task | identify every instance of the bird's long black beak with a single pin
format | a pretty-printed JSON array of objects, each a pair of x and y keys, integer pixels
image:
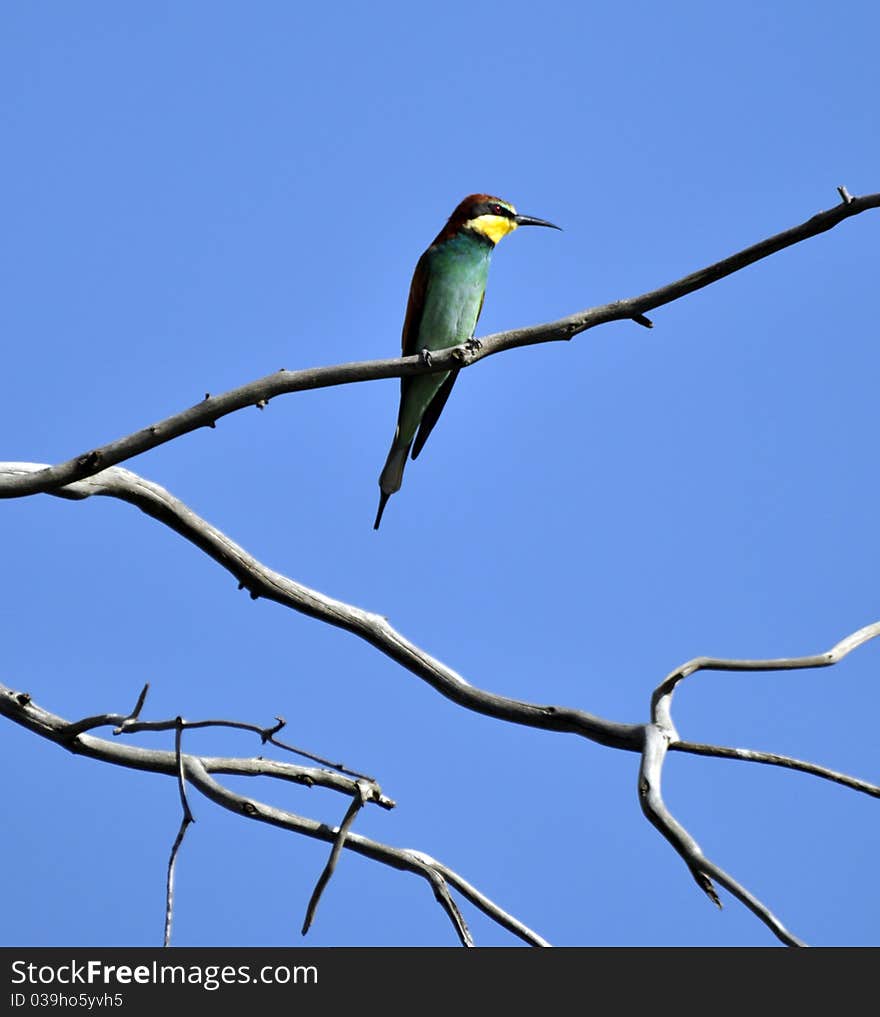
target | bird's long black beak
[{"x": 530, "y": 220}]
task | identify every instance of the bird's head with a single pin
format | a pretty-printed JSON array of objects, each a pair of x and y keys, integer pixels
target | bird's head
[{"x": 489, "y": 217}]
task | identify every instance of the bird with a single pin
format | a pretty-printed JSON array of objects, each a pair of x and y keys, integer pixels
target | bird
[{"x": 445, "y": 300}]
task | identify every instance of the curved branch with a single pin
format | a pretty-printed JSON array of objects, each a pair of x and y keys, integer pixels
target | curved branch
[
  {"x": 267, "y": 736},
  {"x": 702, "y": 869},
  {"x": 653, "y": 740},
  {"x": 661, "y": 700},
  {"x": 19, "y": 707},
  {"x": 264, "y": 582},
  {"x": 661, "y": 736},
  {"x": 444, "y": 899},
  {"x": 258, "y": 393},
  {"x": 186, "y": 820},
  {"x": 398, "y": 858},
  {"x": 197, "y": 770},
  {"x": 357, "y": 803},
  {"x": 774, "y": 759}
]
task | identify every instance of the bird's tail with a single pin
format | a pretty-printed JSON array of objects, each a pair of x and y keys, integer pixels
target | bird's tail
[{"x": 391, "y": 477}]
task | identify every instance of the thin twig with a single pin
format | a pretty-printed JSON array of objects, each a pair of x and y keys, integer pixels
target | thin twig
[
  {"x": 488, "y": 907},
  {"x": 272, "y": 740},
  {"x": 662, "y": 698},
  {"x": 702, "y": 869},
  {"x": 444, "y": 899},
  {"x": 206, "y": 412},
  {"x": 20, "y": 708},
  {"x": 407, "y": 860},
  {"x": 127, "y": 725},
  {"x": 67, "y": 733},
  {"x": 181, "y": 778},
  {"x": 357, "y": 803},
  {"x": 102, "y": 719},
  {"x": 139, "y": 705},
  {"x": 774, "y": 759},
  {"x": 169, "y": 885},
  {"x": 181, "y": 833},
  {"x": 267, "y": 736}
]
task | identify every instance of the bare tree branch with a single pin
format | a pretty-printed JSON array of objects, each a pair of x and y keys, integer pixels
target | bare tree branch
[
  {"x": 197, "y": 770},
  {"x": 702, "y": 869},
  {"x": 444, "y": 899},
  {"x": 774, "y": 759},
  {"x": 267, "y": 735},
  {"x": 185, "y": 822},
  {"x": 408, "y": 860},
  {"x": 357, "y": 803},
  {"x": 651, "y": 740},
  {"x": 307, "y": 776},
  {"x": 169, "y": 882},
  {"x": 661, "y": 700},
  {"x": 257, "y": 393},
  {"x": 94, "y": 473},
  {"x": 139, "y": 705},
  {"x": 263, "y": 582},
  {"x": 660, "y": 736},
  {"x": 181, "y": 783}
]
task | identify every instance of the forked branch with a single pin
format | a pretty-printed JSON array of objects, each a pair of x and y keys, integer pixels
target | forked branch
[
  {"x": 95, "y": 473},
  {"x": 198, "y": 771},
  {"x": 661, "y": 736},
  {"x": 652, "y": 740}
]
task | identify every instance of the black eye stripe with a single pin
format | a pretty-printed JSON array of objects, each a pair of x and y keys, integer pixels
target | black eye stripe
[{"x": 493, "y": 208}]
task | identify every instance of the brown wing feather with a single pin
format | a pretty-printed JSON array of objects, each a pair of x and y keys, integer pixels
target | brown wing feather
[
  {"x": 414, "y": 306},
  {"x": 412, "y": 321}
]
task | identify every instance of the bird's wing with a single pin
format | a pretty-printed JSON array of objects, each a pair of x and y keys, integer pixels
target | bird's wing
[
  {"x": 412, "y": 322},
  {"x": 435, "y": 407},
  {"x": 432, "y": 413},
  {"x": 418, "y": 291}
]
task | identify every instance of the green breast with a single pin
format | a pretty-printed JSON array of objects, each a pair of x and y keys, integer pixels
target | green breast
[
  {"x": 457, "y": 277},
  {"x": 454, "y": 290}
]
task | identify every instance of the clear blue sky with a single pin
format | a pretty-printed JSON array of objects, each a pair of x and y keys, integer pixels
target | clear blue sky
[{"x": 195, "y": 195}]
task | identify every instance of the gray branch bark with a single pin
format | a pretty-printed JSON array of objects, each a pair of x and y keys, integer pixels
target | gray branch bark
[
  {"x": 264, "y": 582},
  {"x": 652, "y": 740},
  {"x": 259, "y": 392},
  {"x": 198, "y": 771},
  {"x": 95, "y": 473}
]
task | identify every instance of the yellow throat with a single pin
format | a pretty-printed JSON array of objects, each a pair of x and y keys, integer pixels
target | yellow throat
[{"x": 494, "y": 227}]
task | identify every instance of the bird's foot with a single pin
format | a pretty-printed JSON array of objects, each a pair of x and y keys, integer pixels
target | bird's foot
[
  {"x": 466, "y": 352},
  {"x": 426, "y": 358}
]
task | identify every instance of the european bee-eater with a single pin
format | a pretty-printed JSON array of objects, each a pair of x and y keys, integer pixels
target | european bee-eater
[{"x": 445, "y": 300}]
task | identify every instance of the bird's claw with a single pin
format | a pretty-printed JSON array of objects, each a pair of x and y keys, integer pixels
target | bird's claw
[
  {"x": 467, "y": 350},
  {"x": 426, "y": 357}
]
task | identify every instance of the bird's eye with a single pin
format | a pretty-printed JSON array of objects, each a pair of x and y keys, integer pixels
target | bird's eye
[{"x": 498, "y": 210}]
